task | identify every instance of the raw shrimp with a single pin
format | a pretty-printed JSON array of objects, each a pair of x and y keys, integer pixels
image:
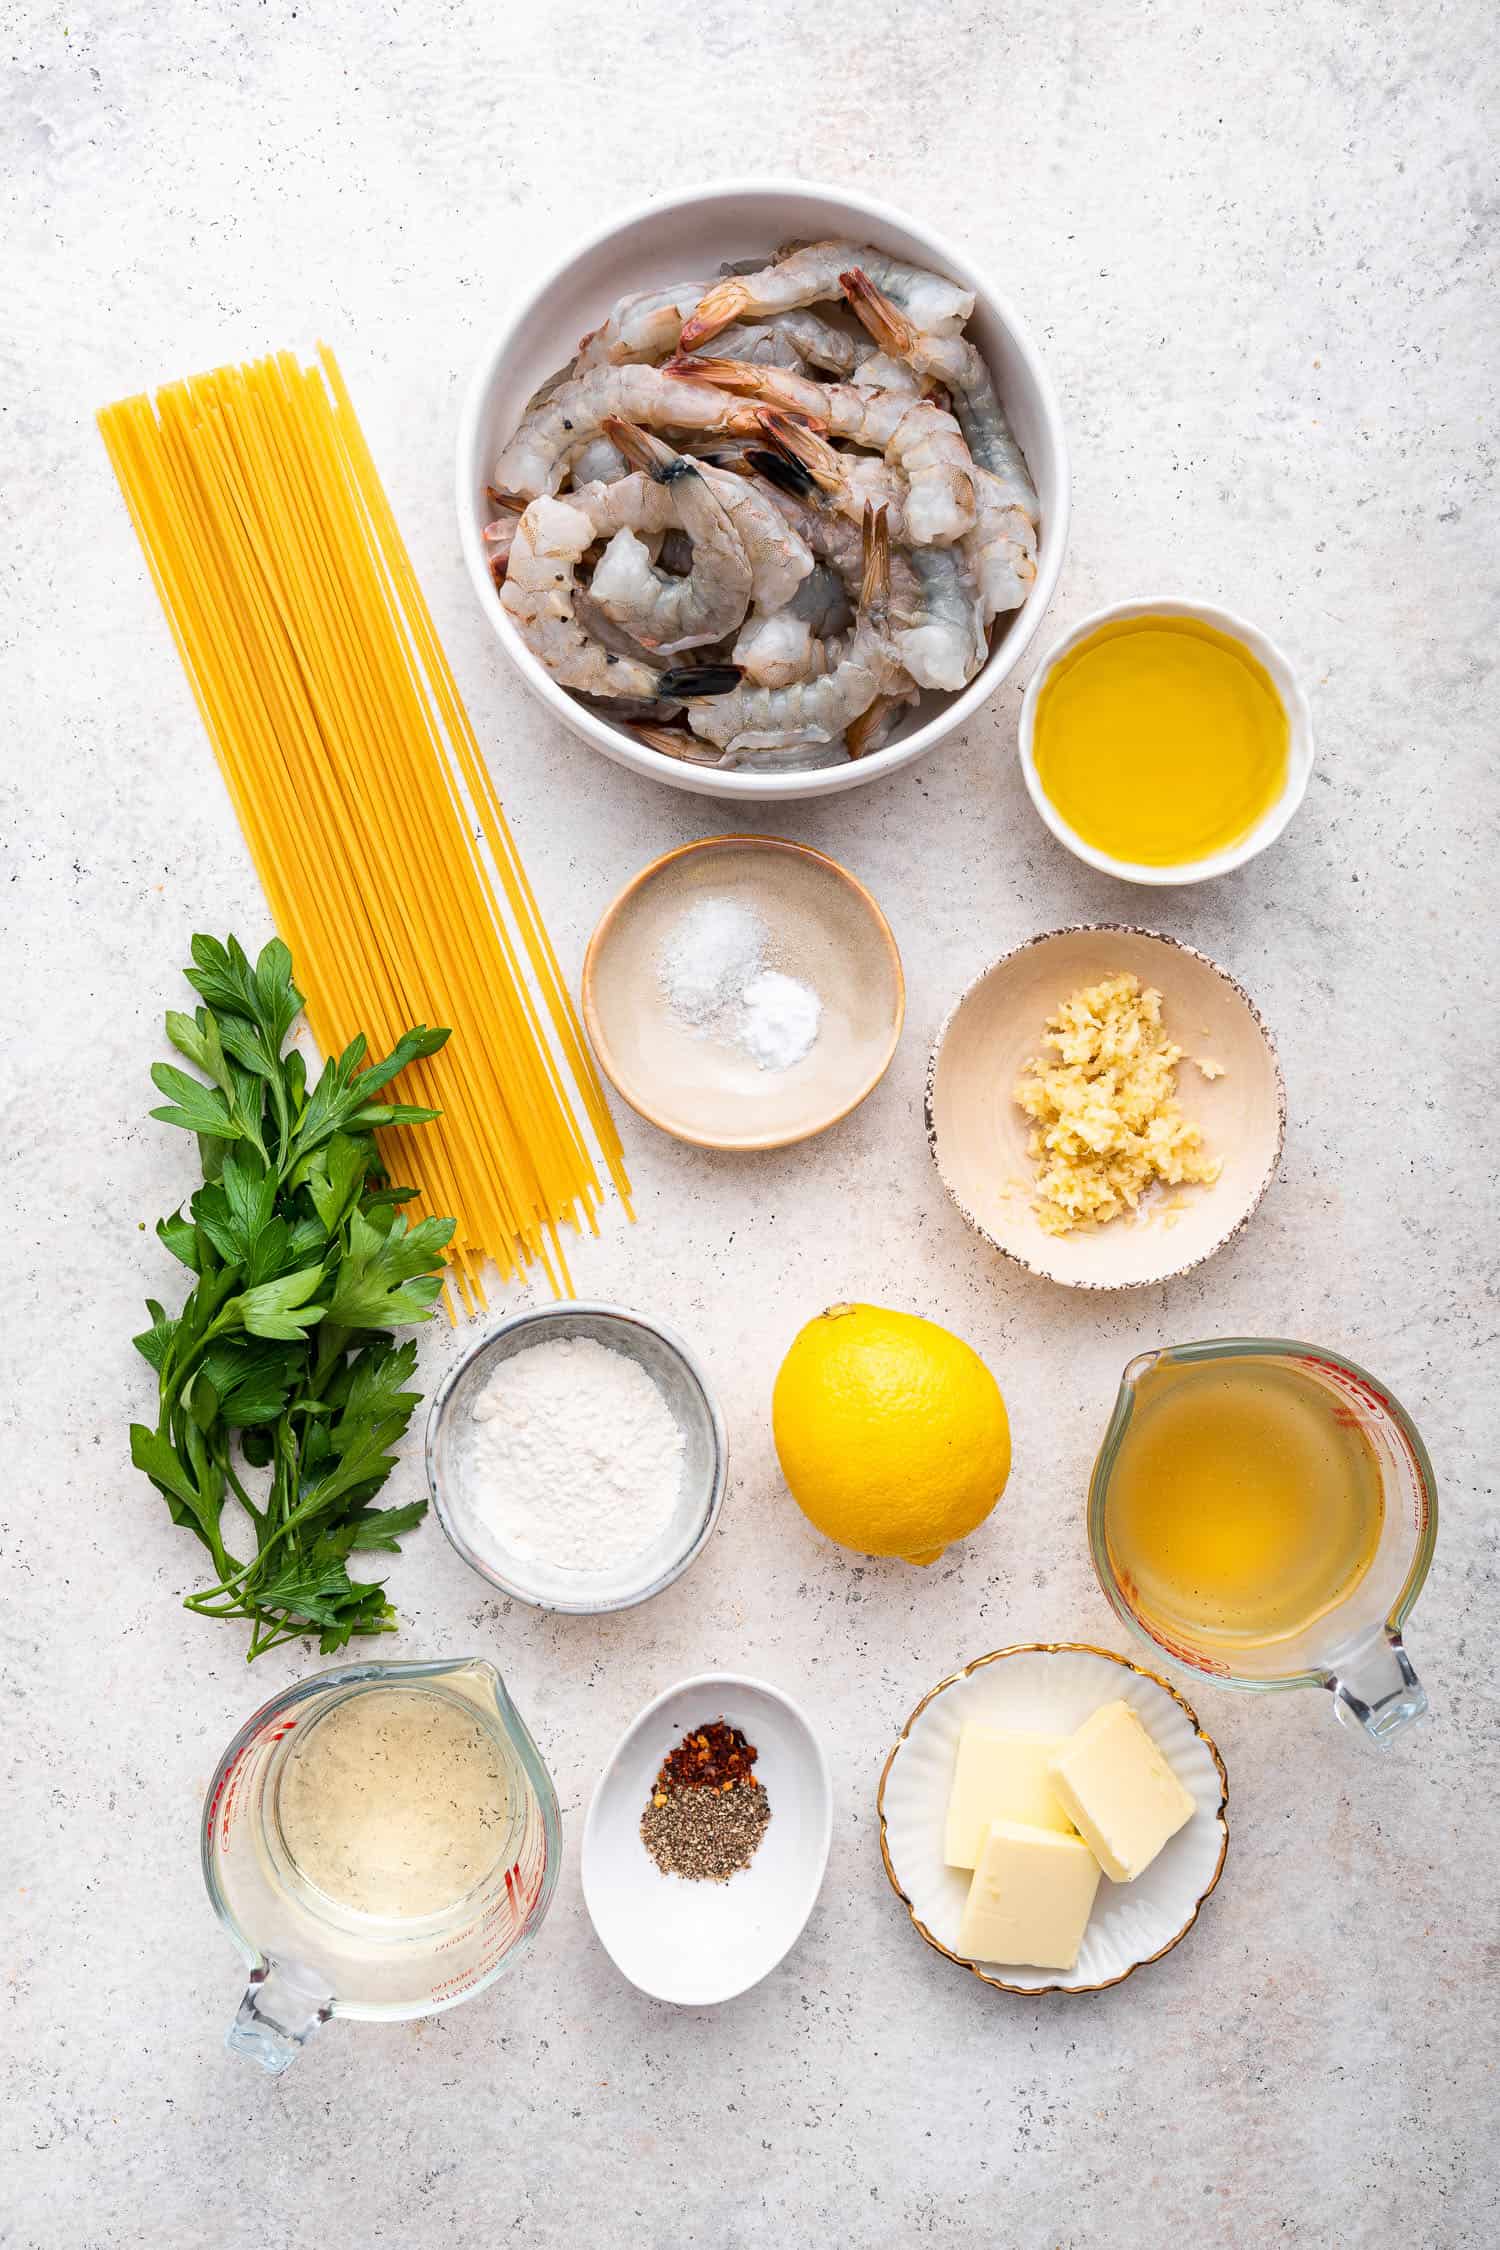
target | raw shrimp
[
  {"x": 838, "y": 543},
  {"x": 846, "y": 480},
  {"x": 672, "y": 743},
  {"x": 935, "y": 602},
  {"x": 920, "y": 439},
  {"x": 537, "y": 458},
  {"x": 643, "y": 326},
  {"x": 1001, "y": 549},
  {"x": 800, "y": 640},
  {"x": 811, "y": 711},
  {"x": 872, "y": 730},
  {"x": 499, "y": 534},
  {"x": 539, "y": 593},
  {"x": 691, "y": 752},
  {"x": 598, "y": 462},
  {"x": 929, "y": 450},
  {"x": 541, "y": 581},
  {"x": 940, "y": 637},
  {"x": 798, "y": 340},
  {"x": 1003, "y": 537},
  {"x": 810, "y": 276},
  {"x": 778, "y": 558},
  {"x": 663, "y": 612}
]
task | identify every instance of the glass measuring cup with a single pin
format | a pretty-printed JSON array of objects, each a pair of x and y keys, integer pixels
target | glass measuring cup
[
  {"x": 312, "y": 1957},
  {"x": 1354, "y": 1648}
]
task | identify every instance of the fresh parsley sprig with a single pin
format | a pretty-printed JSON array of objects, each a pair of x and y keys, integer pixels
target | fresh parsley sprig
[{"x": 281, "y": 1360}]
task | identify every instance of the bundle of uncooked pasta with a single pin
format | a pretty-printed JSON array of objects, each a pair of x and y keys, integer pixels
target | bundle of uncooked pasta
[{"x": 761, "y": 553}]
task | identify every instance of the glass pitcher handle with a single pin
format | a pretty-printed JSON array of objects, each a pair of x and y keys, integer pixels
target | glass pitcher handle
[
  {"x": 1378, "y": 1690},
  {"x": 283, "y": 2003}
]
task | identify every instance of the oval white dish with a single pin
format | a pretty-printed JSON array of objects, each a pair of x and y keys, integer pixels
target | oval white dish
[
  {"x": 1051, "y": 1688},
  {"x": 696, "y": 1944}
]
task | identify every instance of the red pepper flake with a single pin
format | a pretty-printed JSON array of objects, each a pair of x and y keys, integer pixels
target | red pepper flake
[{"x": 715, "y": 1756}]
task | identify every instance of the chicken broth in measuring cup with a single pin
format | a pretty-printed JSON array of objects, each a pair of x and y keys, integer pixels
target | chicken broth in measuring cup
[{"x": 394, "y": 1803}]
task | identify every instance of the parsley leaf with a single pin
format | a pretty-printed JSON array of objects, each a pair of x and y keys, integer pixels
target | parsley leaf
[{"x": 280, "y": 1390}]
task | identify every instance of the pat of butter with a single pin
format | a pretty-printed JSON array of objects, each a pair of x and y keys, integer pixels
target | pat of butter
[
  {"x": 999, "y": 1776},
  {"x": 1030, "y": 1897},
  {"x": 1119, "y": 1791}
]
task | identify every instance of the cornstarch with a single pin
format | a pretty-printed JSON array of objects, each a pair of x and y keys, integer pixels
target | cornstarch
[{"x": 578, "y": 1458}]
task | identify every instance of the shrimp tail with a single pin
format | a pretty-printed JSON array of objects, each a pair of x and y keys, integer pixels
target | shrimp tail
[
  {"x": 787, "y": 476},
  {"x": 671, "y": 743},
  {"x": 875, "y": 578},
  {"x": 803, "y": 448},
  {"x": 771, "y": 386},
  {"x": 643, "y": 449},
  {"x": 726, "y": 301},
  {"x": 738, "y": 375},
  {"x": 889, "y": 326},
  {"x": 698, "y": 679}
]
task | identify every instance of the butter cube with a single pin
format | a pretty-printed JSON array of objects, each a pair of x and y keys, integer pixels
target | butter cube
[
  {"x": 1122, "y": 1796},
  {"x": 999, "y": 1776},
  {"x": 1030, "y": 1897}
]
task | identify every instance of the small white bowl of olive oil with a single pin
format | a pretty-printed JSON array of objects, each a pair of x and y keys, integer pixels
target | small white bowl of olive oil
[{"x": 1164, "y": 740}]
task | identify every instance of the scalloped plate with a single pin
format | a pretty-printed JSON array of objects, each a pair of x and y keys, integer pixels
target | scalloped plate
[{"x": 1051, "y": 1688}]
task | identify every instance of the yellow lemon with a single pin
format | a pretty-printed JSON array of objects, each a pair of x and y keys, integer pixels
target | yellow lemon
[{"x": 891, "y": 1432}]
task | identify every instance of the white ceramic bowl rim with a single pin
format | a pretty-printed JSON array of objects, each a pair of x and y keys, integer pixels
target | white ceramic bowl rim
[
  {"x": 1105, "y": 929},
  {"x": 1272, "y": 659},
  {"x": 540, "y": 1317},
  {"x": 829, "y": 780}
]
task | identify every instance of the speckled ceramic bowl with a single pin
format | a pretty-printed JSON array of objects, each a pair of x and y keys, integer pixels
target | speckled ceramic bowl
[
  {"x": 978, "y": 1135},
  {"x": 1051, "y": 1688}
]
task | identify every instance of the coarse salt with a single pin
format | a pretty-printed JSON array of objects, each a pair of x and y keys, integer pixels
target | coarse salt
[
  {"x": 715, "y": 971},
  {"x": 712, "y": 953}
]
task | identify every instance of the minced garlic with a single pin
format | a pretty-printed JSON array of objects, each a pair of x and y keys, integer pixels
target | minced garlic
[{"x": 1107, "y": 1123}]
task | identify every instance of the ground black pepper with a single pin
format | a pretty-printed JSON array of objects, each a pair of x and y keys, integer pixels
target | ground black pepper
[{"x": 707, "y": 1813}]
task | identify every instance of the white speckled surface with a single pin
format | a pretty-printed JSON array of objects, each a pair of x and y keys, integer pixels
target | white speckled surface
[{"x": 1253, "y": 241}]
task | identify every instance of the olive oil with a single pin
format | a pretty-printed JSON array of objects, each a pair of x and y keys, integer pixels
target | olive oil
[
  {"x": 1244, "y": 1503},
  {"x": 1161, "y": 740}
]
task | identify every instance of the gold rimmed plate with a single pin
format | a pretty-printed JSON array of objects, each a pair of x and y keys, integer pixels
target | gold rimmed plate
[{"x": 1050, "y": 1687}]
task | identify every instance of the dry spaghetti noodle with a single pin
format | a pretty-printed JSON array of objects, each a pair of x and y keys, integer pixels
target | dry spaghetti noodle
[{"x": 374, "y": 825}]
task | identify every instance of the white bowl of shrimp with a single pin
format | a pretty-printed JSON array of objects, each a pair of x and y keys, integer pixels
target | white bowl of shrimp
[{"x": 858, "y": 440}]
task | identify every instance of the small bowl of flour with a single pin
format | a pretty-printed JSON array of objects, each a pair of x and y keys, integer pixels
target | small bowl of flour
[
  {"x": 577, "y": 1458},
  {"x": 743, "y": 992}
]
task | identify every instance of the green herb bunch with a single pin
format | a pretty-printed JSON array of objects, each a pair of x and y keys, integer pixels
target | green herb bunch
[{"x": 281, "y": 1360}]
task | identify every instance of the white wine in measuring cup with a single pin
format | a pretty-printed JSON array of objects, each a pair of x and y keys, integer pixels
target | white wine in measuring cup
[{"x": 381, "y": 1842}]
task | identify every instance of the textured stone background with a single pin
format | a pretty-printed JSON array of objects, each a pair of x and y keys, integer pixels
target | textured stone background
[{"x": 1253, "y": 241}]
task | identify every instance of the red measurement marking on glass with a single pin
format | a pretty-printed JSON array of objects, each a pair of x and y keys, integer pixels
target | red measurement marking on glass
[{"x": 229, "y": 1784}]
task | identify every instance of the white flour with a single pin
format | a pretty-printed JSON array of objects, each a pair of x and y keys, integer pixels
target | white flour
[
  {"x": 577, "y": 1458},
  {"x": 714, "y": 971}
]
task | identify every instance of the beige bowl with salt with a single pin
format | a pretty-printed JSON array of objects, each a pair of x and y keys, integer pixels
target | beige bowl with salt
[
  {"x": 695, "y": 1076},
  {"x": 978, "y": 1135}
]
